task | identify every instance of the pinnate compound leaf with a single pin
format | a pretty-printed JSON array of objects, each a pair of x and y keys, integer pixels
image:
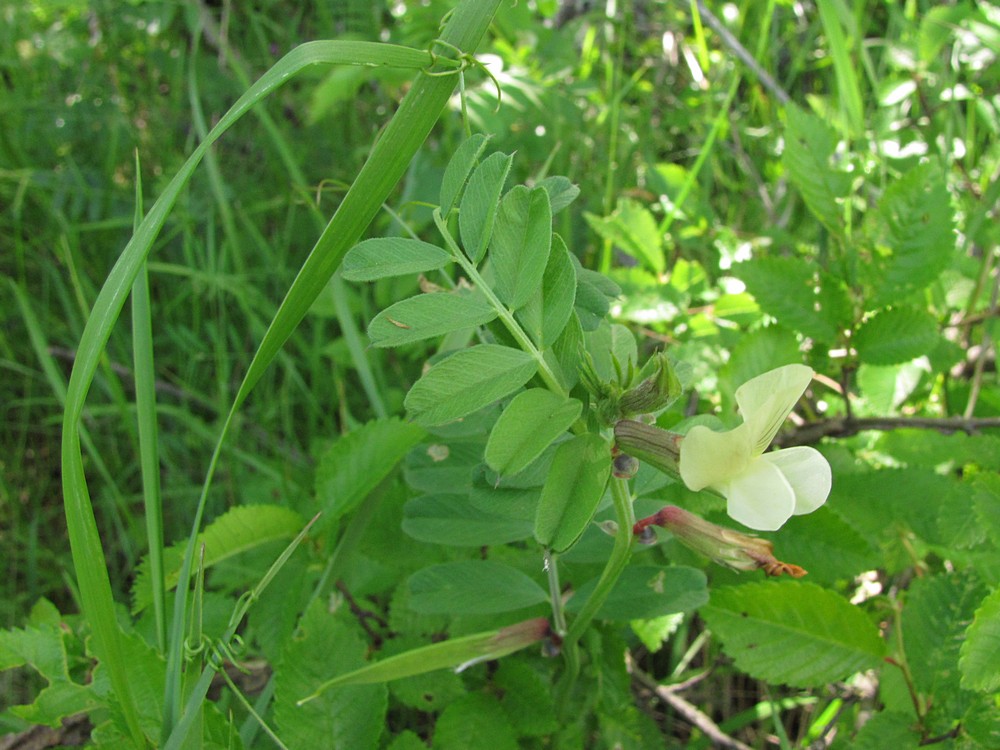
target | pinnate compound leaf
[
  {"x": 896, "y": 335},
  {"x": 634, "y": 231},
  {"x": 479, "y": 204},
  {"x": 573, "y": 489},
  {"x": 917, "y": 212},
  {"x": 809, "y": 144},
  {"x": 475, "y": 720},
  {"x": 643, "y": 592},
  {"x": 520, "y": 246},
  {"x": 428, "y": 315},
  {"x": 344, "y": 716},
  {"x": 548, "y": 311},
  {"x": 238, "y": 530},
  {"x": 455, "y": 521},
  {"x": 472, "y": 587},
  {"x": 383, "y": 257},
  {"x": 793, "y": 633},
  {"x": 980, "y": 654},
  {"x": 459, "y": 168},
  {"x": 466, "y": 382},
  {"x": 528, "y": 425},
  {"x": 788, "y": 289},
  {"x": 354, "y": 466}
]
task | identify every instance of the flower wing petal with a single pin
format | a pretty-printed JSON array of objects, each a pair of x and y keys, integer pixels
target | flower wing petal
[
  {"x": 766, "y": 401},
  {"x": 808, "y": 473},
  {"x": 710, "y": 459},
  {"x": 760, "y": 497}
]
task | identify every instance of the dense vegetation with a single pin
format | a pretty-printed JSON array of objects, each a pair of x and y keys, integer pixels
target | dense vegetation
[{"x": 438, "y": 360}]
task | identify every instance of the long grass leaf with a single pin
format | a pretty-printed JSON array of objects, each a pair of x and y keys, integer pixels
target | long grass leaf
[{"x": 88, "y": 554}]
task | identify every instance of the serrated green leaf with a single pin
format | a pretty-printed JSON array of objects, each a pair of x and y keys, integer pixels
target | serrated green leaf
[
  {"x": 887, "y": 729},
  {"x": 787, "y": 288},
  {"x": 479, "y": 204},
  {"x": 519, "y": 249},
  {"x": 453, "y": 520},
  {"x": 429, "y": 315},
  {"x": 896, "y": 335},
  {"x": 384, "y": 257},
  {"x": 935, "y": 618},
  {"x": 476, "y": 720},
  {"x": 561, "y": 191},
  {"x": 809, "y": 144},
  {"x": 793, "y": 633},
  {"x": 459, "y": 168},
  {"x": 980, "y": 653},
  {"x": 917, "y": 214},
  {"x": 472, "y": 587},
  {"x": 355, "y": 465},
  {"x": 647, "y": 591},
  {"x": 239, "y": 530},
  {"x": 466, "y": 382},
  {"x": 548, "y": 311},
  {"x": 573, "y": 488},
  {"x": 634, "y": 231},
  {"x": 526, "y": 697},
  {"x": 528, "y": 425},
  {"x": 344, "y": 716}
]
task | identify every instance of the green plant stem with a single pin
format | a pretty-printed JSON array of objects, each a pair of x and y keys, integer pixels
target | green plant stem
[
  {"x": 621, "y": 498},
  {"x": 506, "y": 316},
  {"x": 555, "y": 593}
]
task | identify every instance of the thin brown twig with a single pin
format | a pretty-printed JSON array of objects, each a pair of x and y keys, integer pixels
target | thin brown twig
[
  {"x": 688, "y": 710},
  {"x": 841, "y": 427}
]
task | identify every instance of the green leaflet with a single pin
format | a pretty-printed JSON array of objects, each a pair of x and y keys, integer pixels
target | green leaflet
[
  {"x": 545, "y": 315},
  {"x": 459, "y": 168},
  {"x": 453, "y": 520},
  {"x": 520, "y": 246},
  {"x": 428, "y": 315},
  {"x": 383, "y": 257},
  {"x": 793, "y": 633},
  {"x": 528, "y": 425},
  {"x": 479, "y": 204},
  {"x": 472, "y": 587},
  {"x": 466, "y": 382},
  {"x": 572, "y": 491},
  {"x": 561, "y": 191},
  {"x": 647, "y": 591}
]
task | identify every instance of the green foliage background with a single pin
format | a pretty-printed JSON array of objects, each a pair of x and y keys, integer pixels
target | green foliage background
[{"x": 764, "y": 182}]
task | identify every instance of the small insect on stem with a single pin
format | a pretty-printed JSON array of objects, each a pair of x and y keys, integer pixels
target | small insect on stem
[{"x": 396, "y": 322}]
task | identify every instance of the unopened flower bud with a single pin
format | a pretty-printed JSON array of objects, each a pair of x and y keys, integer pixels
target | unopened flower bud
[
  {"x": 655, "y": 393},
  {"x": 721, "y": 545},
  {"x": 624, "y": 466},
  {"x": 659, "y": 448}
]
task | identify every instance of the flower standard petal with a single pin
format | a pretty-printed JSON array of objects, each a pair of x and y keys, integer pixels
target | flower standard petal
[
  {"x": 766, "y": 401},
  {"x": 807, "y": 472},
  {"x": 710, "y": 459},
  {"x": 760, "y": 497}
]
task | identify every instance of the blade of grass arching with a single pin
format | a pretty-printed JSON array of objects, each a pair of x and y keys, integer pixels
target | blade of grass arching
[
  {"x": 848, "y": 90},
  {"x": 405, "y": 133},
  {"x": 149, "y": 450},
  {"x": 88, "y": 554}
]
